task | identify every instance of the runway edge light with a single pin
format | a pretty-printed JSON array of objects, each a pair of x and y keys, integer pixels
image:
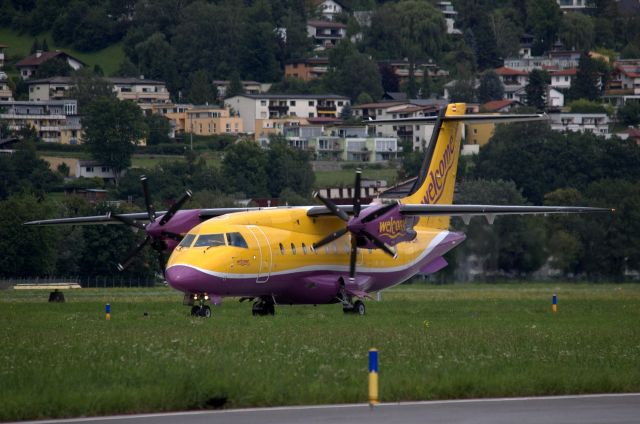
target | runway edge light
[
  {"x": 373, "y": 377},
  {"x": 554, "y": 304},
  {"x": 107, "y": 311}
]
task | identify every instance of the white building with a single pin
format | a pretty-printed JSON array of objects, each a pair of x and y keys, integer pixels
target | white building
[
  {"x": 30, "y": 64},
  {"x": 576, "y": 5},
  {"x": 252, "y": 107},
  {"x": 596, "y": 123},
  {"x": 326, "y": 34},
  {"x": 92, "y": 169},
  {"x": 563, "y": 79},
  {"x": 450, "y": 15},
  {"x": 329, "y": 9}
]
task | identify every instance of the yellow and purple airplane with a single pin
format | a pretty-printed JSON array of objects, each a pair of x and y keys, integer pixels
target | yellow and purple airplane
[{"x": 318, "y": 254}]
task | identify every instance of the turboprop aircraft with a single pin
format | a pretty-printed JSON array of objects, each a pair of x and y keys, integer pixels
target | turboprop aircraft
[{"x": 318, "y": 254}]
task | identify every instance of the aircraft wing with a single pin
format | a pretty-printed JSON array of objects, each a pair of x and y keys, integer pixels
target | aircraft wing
[{"x": 492, "y": 210}]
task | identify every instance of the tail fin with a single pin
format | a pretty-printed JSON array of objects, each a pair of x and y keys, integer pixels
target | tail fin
[{"x": 437, "y": 176}]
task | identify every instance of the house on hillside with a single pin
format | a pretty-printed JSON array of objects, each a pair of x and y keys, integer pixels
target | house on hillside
[
  {"x": 202, "y": 119},
  {"x": 325, "y": 34},
  {"x": 6, "y": 94},
  {"x": 584, "y": 6},
  {"x": 307, "y": 69},
  {"x": 55, "y": 121},
  {"x": 249, "y": 87},
  {"x": 30, "y": 64},
  {"x": 328, "y": 9},
  {"x": 596, "y": 123}
]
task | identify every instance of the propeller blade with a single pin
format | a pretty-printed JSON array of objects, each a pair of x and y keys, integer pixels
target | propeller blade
[
  {"x": 379, "y": 244},
  {"x": 127, "y": 221},
  {"x": 175, "y": 208},
  {"x": 353, "y": 258},
  {"x": 356, "y": 194},
  {"x": 122, "y": 265},
  {"x": 331, "y": 237},
  {"x": 332, "y": 207},
  {"x": 377, "y": 214},
  {"x": 147, "y": 198}
]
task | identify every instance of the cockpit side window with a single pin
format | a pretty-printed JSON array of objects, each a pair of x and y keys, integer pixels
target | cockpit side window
[
  {"x": 209, "y": 240},
  {"x": 187, "y": 240},
  {"x": 236, "y": 239}
]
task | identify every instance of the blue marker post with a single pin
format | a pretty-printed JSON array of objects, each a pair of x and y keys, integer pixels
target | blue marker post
[
  {"x": 107, "y": 311},
  {"x": 554, "y": 304},
  {"x": 373, "y": 377}
]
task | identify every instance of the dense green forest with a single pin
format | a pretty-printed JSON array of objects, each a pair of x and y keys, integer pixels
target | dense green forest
[
  {"x": 187, "y": 43},
  {"x": 178, "y": 41}
]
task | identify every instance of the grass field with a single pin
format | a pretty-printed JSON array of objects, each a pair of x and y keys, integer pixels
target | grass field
[
  {"x": 20, "y": 45},
  {"x": 346, "y": 177},
  {"x": 62, "y": 360}
]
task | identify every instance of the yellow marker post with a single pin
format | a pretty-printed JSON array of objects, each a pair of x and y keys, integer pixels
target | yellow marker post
[
  {"x": 107, "y": 311},
  {"x": 373, "y": 377},
  {"x": 554, "y": 304}
]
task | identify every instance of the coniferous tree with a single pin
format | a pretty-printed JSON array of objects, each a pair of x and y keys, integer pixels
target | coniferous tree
[
  {"x": 536, "y": 90},
  {"x": 585, "y": 85},
  {"x": 491, "y": 87}
]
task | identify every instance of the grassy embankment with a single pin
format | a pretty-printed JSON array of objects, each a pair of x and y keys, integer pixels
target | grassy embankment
[
  {"x": 20, "y": 45},
  {"x": 61, "y": 360}
]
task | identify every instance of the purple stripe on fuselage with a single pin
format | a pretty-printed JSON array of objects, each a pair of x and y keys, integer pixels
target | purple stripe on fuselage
[{"x": 302, "y": 287}]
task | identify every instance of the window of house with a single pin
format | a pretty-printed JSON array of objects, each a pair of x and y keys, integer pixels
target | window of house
[
  {"x": 311, "y": 114},
  {"x": 292, "y": 103},
  {"x": 263, "y": 102},
  {"x": 105, "y": 169},
  {"x": 89, "y": 168},
  {"x": 311, "y": 103}
]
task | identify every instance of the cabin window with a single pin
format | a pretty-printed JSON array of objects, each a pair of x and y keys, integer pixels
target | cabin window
[
  {"x": 304, "y": 248},
  {"x": 236, "y": 239},
  {"x": 326, "y": 249},
  {"x": 293, "y": 248},
  {"x": 187, "y": 240},
  {"x": 210, "y": 240},
  {"x": 335, "y": 248},
  {"x": 281, "y": 249}
]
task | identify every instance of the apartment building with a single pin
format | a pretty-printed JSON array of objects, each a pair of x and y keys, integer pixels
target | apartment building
[
  {"x": 584, "y": 6},
  {"x": 251, "y": 107},
  {"x": 201, "y": 119},
  {"x": 55, "y": 121},
  {"x": 146, "y": 93},
  {"x": 307, "y": 69},
  {"x": 596, "y": 123}
]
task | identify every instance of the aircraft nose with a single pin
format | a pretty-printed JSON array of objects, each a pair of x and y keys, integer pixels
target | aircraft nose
[{"x": 182, "y": 278}]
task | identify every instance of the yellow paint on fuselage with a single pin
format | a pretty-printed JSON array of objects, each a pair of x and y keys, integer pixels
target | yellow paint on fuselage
[{"x": 272, "y": 236}]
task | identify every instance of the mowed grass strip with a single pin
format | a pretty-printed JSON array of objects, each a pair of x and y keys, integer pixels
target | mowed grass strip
[{"x": 435, "y": 342}]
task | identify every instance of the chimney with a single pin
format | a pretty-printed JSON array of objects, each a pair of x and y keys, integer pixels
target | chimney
[{"x": 38, "y": 53}]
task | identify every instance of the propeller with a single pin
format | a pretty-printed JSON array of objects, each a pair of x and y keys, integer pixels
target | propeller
[
  {"x": 155, "y": 236},
  {"x": 355, "y": 226}
]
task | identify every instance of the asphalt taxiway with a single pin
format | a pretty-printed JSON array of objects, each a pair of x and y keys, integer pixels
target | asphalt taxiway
[{"x": 585, "y": 409}]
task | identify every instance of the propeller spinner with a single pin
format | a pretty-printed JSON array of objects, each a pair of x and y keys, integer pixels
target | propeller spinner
[
  {"x": 356, "y": 226},
  {"x": 156, "y": 234}
]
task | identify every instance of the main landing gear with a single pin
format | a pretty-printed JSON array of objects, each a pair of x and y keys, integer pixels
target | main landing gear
[
  {"x": 199, "y": 308},
  {"x": 264, "y": 306},
  {"x": 356, "y": 307}
]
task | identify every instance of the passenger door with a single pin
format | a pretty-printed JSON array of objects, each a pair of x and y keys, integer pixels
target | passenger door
[{"x": 264, "y": 253}]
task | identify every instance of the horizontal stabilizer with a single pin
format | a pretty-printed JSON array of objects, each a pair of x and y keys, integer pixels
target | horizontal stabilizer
[
  {"x": 492, "y": 210},
  {"x": 479, "y": 118}
]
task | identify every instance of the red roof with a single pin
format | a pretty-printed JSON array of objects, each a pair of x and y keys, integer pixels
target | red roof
[
  {"x": 496, "y": 105},
  {"x": 633, "y": 133},
  {"x": 564, "y": 72},
  {"x": 37, "y": 60},
  {"x": 3, "y": 46},
  {"x": 503, "y": 70}
]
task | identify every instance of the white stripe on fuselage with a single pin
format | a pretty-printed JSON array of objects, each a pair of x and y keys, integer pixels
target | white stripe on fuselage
[{"x": 339, "y": 268}]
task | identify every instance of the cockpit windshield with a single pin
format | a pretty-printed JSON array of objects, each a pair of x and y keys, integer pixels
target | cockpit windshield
[
  {"x": 236, "y": 239},
  {"x": 187, "y": 240},
  {"x": 209, "y": 240}
]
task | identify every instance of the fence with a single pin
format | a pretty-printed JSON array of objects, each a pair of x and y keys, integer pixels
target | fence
[{"x": 97, "y": 281}]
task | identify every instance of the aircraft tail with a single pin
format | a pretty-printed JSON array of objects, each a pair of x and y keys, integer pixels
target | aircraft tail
[{"x": 437, "y": 177}]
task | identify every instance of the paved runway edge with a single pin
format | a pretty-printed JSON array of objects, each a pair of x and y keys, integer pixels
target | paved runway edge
[{"x": 330, "y": 406}]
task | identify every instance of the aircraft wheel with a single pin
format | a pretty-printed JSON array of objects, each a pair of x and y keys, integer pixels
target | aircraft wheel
[
  {"x": 358, "y": 307},
  {"x": 270, "y": 309},
  {"x": 256, "y": 309},
  {"x": 195, "y": 311},
  {"x": 205, "y": 312}
]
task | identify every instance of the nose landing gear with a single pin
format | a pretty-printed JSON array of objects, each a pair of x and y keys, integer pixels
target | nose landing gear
[{"x": 201, "y": 309}]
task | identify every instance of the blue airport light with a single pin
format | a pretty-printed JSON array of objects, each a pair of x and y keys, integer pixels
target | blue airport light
[{"x": 373, "y": 377}]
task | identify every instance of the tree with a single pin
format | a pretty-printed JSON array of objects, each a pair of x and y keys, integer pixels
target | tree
[
  {"x": 347, "y": 112},
  {"x": 159, "y": 128},
  {"x": 201, "y": 90},
  {"x": 507, "y": 32},
  {"x": 156, "y": 59},
  {"x": 425, "y": 85},
  {"x": 585, "y": 85},
  {"x": 629, "y": 114},
  {"x": 26, "y": 251},
  {"x": 577, "y": 31},
  {"x": 88, "y": 87},
  {"x": 463, "y": 90},
  {"x": 491, "y": 87},
  {"x": 288, "y": 168},
  {"x": 390, "y": 81},
  {"x": 543, "y": 20},
  {"x": 112, "y": 128},
  {"x": 244, "y": 168},
  {"x": 512, "y": 245},
  {"x": 351, "y": 73},
  {"x": 127, "y": 69},
  {"x": 235, "y": 85},
  {"x": 536, "y": 90}
]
